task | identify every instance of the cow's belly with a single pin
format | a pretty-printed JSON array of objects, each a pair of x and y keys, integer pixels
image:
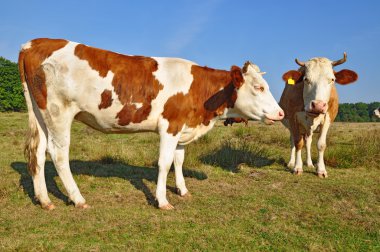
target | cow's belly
[
  {"x": 191, "y": 134},
  {"x": 110, "y": 125}
]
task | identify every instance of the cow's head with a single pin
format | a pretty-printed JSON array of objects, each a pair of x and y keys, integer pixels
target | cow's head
[
  {"x": 318, "y": 77},
  {"x": 253, "y": 98},
  {"x": 376, "y": 113}
]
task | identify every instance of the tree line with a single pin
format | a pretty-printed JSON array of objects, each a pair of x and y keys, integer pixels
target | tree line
[
  {"x": 12, "y": 99},
  {"x": 357, "y": 112}
]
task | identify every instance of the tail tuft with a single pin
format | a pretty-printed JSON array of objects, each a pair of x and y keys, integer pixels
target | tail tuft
[{"x": 31, "y": 145}]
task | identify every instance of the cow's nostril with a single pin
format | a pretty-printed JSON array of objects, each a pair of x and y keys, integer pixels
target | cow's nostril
[
  {"x": 313, "y": 104},
  {"x": 281, "y": 113}
]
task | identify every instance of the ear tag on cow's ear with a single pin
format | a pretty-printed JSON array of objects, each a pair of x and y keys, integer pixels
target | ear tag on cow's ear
[{"x": 291, "y": 81}]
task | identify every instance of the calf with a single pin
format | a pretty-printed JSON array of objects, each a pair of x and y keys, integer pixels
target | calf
[
  {"x": 310, "y": 102},
  {"x": 116, "y": 93}
]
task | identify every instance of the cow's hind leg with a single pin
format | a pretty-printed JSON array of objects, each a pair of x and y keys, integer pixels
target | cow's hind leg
[
  {"x": 58, "y": 148},
  {"x": 179, "y": 156},
  {"x": 35, "y": 151}
]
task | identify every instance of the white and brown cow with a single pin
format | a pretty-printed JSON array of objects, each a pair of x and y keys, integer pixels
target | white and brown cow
[
  {"x": 115, "y": 93},
  {"x": 310, "y": 102},
  {"x": 376, "y": 112}
]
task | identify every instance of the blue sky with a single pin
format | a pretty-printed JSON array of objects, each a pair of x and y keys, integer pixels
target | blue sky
[{"x": 216, "y": 33}]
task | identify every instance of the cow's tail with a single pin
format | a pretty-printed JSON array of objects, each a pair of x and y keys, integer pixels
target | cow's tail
[{"x": 33, "y": 137}]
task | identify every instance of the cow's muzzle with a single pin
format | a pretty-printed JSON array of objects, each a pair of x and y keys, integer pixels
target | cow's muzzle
[
  {"x": 271, "y": 118},
  {"x": 316, "y": 108}
]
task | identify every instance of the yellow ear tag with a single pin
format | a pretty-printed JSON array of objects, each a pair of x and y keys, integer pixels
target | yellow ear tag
[{"x": 291, "y": 81}]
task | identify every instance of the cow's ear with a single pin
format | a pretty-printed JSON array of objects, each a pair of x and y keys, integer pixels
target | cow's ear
[
  {"x": 226, "y": 95},
  {"x": 237, "y": 76},
  {"x": 292, "y": 75},
  {"x": 345, "y": 76}
]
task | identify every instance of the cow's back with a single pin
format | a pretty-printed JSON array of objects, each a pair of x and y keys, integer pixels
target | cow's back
[{"x": 112, "y": 92}]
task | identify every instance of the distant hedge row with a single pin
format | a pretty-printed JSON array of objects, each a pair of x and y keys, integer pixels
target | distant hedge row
[
  {"x": 12, "y": 99},
  {"x": 357, "y": 112}
]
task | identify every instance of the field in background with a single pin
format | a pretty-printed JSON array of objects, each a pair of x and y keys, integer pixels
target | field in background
[{"x": 243, "y": 196}]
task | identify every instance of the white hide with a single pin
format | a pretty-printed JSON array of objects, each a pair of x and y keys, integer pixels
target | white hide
[
  {"x": 254, "y": 99},
  {"x": 318, "y": 80}
]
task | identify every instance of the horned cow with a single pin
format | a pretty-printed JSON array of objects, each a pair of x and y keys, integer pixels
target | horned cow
[
  {"x": 115, "y": 93},
  {"x": 310, "y": 102}
]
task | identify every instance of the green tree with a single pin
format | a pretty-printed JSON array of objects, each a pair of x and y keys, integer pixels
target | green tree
[{"x": 11, "y": 93}]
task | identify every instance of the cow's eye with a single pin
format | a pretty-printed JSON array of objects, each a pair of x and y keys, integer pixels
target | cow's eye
[
  {"x": 332, "y": 80},
  {"x": 306, "y": 80},
  {"x": 259, "y": 88}
]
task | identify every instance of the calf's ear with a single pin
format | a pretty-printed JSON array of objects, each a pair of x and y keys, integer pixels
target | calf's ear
[
  {"x": 292, "y": 74},
  {"x": 345, "y": 76},
  {"x": 237, "y": 76}
]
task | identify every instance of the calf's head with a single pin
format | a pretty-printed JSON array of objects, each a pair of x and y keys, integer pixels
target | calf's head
[
  {"x": 253, "y": 97},
  {"x": 318, "y": 77}
]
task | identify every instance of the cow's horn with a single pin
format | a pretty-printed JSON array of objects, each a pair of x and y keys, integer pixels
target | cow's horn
[
  {"x": 341, "y": 61},
  {"x": 300, "y": 63}
]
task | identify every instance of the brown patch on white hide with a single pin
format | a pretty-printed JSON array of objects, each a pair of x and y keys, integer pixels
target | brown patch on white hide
[
  {"x": 210, "y": 93},
  {"x": 133, "y": 80}
]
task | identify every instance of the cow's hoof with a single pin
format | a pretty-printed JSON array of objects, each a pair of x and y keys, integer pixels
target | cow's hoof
[
  {"x": 186, "y": 196},
  {"x": 167, "y": 207},
  {"x": 322, "y": 174},
  {"x": 50, "y": 206},
  {"x": 298, "y": 172},
  {"x": 82, "y": 206},
  {"x": 290, "y": 165}
]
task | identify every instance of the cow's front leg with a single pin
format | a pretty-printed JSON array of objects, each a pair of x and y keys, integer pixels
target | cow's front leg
[
  {"x": 179, "y": 156},
  {"x": 321, "y": 168},
  {"x": 168, "y": 144},
  {"x": 309, "y": 139},
  {"x": 292, "y": 153},
  {"x": 298, "y": 144}
]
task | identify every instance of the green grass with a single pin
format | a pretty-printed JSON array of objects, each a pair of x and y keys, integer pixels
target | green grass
[{"x": 243, "y": 196}]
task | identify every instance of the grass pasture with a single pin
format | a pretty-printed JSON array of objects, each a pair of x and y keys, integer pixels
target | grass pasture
[{"x": 243, "y": 197}]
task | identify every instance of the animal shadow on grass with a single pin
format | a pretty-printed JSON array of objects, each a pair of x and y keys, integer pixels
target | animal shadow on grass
[
  {"x": 229, "y": 156},
  {"x": 105, "y": 167}
]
